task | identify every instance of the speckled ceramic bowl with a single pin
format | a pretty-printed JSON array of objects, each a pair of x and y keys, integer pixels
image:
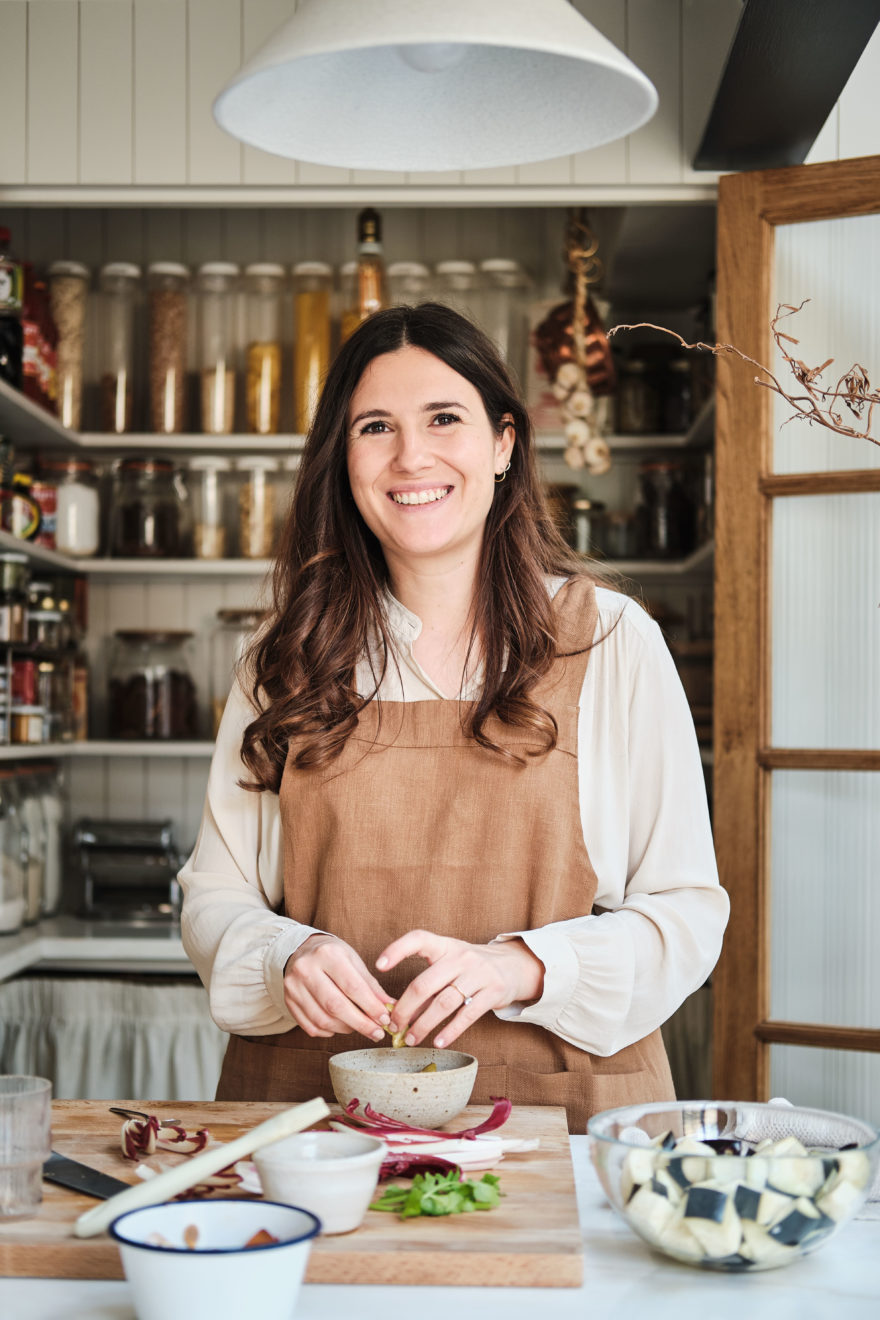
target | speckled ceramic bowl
[{"x": 392, "y": 1081}]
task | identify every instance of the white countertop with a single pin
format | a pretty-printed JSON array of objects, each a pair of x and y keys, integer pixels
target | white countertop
[
  {"x": 621, "y": 1279},
  {"x": 72, "y": 943}
]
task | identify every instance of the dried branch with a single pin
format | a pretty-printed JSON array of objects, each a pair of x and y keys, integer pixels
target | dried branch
[{"x": 817, "y": 405}]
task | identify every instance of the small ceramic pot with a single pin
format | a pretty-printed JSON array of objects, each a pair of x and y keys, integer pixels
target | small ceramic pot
[
  {"x": 332, "y": 1174},
  {"x": 394, "y": 1082}
]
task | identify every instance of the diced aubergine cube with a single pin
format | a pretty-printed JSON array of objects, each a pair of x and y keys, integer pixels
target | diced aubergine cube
[
  {"x": 687, "y": 1170},
  {"x": 711, "y": 1217},
  {"x": 802, "y": 1222},
  {"x": 649, "y": 1213},
  {"x": 678, "y": 1239},
  {"x": 841, "y": 1200},
  {"x": 638, "y": 1168},
  {"x": 746, "y": 1201},
  {"x": 705, "y": 1203},
  {"x": 663, "y": 1185},
  {"x": 799, "y": 1176},
  {"x": 763, "y": 1250},
  {"x": 727, "y": 1145},
  {"x": 785, "y": 1146},
  {"x": 756, "y": 1170},
  {"x": 772, "y": 1206},
  {"x": 855, "y": 1167}
]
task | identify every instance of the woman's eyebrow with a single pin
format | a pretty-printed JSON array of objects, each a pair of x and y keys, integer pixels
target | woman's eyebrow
[
  {"x": 369, "y": 412},
  {"x": 426, "y": 407}
]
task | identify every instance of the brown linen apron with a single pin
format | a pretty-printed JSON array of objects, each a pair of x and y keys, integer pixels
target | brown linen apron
[{"x": 416, "y": 826}]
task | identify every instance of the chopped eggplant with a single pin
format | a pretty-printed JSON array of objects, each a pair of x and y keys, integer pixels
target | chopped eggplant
[
  {"x": 649, "y": 1213},
  {"x": 798, "y": 1176},
  {"x": 664, "y": 1185},
  {"x": 711, "y": 1217},
  {"x": 638, "y": 1168},
  {"x": 763, "y": 1250},
  {"x": 687, "y": 1171},
  {"x": 728, "y": 1145},
  {"x": 706, "y": 1203},
  {"x": 678, "y": 1239},
  {"x": 772, "y": 1206},
  {"x": 746, "y": 1201},
  {"x": 800, "y": 1224},
  {"x": 756, "y": 1172},
  {"x": 855, "y": 1167},
  {"x": 841, "y": 1200}
]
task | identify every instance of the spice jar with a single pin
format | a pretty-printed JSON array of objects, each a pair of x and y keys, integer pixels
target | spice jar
[
  {"x": 229, "y": 638},
  {"x": 167, "y": 282},
  {"x": 217, "y": 293},
  {"x": 27, "y": 724},
  {"x": 77, "y": 505},
  {"x": 256, "y": 507},
  {"x": 409, "y": 283},
  {"x": 14, "y": 578},
  {"x": 638, "y": 411},
  {"x": 263, "y": 287},
  {"x": 457, "y": 284},
  {"x": 151, "y": 691},
  {"x": 208, "y": 483},
  {"x": 68, "y": 296},
  {"x": 503, "y": 310},
  {"x": 44, "y": 629},
  {"x": 118, "y": 282},
  {"x": 12, "y": 877},
  {"x": 149, "y": 519},
  {"x": 665, "y": 514},
  {"x": 312, "y": 287}
]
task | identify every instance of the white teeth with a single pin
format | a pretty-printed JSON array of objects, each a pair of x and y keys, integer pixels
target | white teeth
[{"x": 420, "y": 496}]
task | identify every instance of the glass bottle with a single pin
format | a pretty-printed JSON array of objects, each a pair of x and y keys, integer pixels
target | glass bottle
[
  {"x": 118, "y": 282},
  {"x": 149, "y": 513},
  {"x": 347, "y": 316},
  {"x": 370, "y": 292},
  {"x": 264, "y": 283},
  {"x": 208, "y": 483},
  {"x": 151, "y": 691},
  {"x": 256, "y": 507},
  {"x": 167, "y": 282},
  {"x": 217, "y": 291},
  {"x": 229, "y": 639},
  {"x": 68, "y": 298},
  {"x": 312, "y": 289},
  {"x": 409, "y": 283}
]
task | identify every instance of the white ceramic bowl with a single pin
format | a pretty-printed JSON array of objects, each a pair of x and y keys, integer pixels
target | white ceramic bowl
[
  {"x": 392, "y": 1081},
  {"x": 220, "y": 1279},
  {"x": 333, "y": 1174},
  {"x": 733, "y": 1185}
]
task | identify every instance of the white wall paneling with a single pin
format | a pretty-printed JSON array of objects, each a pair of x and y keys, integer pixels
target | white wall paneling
[
  {"x": 106, "y": 121},
  {"x": 214, "y": 54},
  {"x": 160, "y": 92},
  {"x": 654, "y": 44},
  {"x": 13, "y": 91},
  {"x": 52, "y": 92},
  {"x": 260, "y": 18}
]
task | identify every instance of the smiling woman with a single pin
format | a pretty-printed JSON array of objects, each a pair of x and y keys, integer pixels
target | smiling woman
[{"x": 447, "y": 764}]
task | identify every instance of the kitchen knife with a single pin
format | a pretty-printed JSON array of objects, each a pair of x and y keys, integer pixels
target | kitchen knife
[{"x": 80, "y": 1178}]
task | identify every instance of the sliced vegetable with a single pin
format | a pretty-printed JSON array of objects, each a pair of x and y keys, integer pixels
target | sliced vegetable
[
  {"x": 381, "y": 1125},
  {"x": 440, "y": 1194}
]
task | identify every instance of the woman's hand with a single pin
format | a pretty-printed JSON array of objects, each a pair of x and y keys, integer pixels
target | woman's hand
[
  {"x": 329, "y": 989},
  {"x": 463, "y": 979}
]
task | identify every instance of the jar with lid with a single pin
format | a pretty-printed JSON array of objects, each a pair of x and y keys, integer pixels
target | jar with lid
[
  {"x": 290, "y": 466},
  {"x": 217, "y": 297},
  {"x": 48, "y": 790},
  {"x": 151, "y": 691},
  {"x": 208, "y": 483},
  {"x": 348, "y": 313},
  {"x": 638, "y": 404},
  {"x": 149, "y": 511},
  {"x": 264, "y": 283},
  {"x": 678, "y": 411},
  {"x": 14, "y": 579},
  {"x": 68, "y": 299},
  {"x": 77, "y": 505},
  {"x": 119, "y": 283},
  {"x": 458, "y": 284},
  {"x": 587, "y": 516},
  {"x": 34, "y": 831},
  {"x": 54, "y": 692},
  {"x": 504, "y": 310},
  {"x": 27, "y": 724},
  {"x": 167, "y": 282},
  {"x": 12, "y": 875},
  {"x": 312, "y": 289},
  {"x": 409, "y": 283},
  {"x": 256, "y": 506},
  {"x": 229, "y": 639},
  {"x": 665, "y": 514}
]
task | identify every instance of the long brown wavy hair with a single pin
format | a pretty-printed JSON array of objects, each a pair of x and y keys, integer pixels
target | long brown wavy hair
[{"x": 330, "y": 575}]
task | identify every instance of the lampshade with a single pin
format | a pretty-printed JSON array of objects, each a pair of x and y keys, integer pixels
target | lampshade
[{"x": 434, "y": 85}]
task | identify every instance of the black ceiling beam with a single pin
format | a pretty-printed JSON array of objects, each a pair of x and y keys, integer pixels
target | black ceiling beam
[{"x": 788, "y": 63}]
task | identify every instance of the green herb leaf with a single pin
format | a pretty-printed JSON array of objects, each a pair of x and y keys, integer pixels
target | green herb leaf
[{"x": 436, "y": 1194}]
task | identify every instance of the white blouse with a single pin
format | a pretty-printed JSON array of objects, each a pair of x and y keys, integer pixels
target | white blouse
[{"x": 611, "y": 976}]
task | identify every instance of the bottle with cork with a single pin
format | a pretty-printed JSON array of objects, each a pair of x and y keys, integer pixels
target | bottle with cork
[{"x": 370, "y": 293}]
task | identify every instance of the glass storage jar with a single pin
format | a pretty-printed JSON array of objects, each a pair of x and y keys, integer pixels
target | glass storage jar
[
  {"x": 208, "y": 483},
  {"x": 27, "y": 724},
  {"x": 151, "y": 691},
  {"x": 504, "y": 310},
  {"x": 218, "y": 340},
  {"x": 458, "y": 284},
  {"x": 638, "y": 404},
  {"x": 68, "y": 299},
  {"x": 34, "y": 828},
  {"x": 167, "y": 282},
  {"x": 77, "y": 505},
  {"x": 678, "y": 412},
  {"x": 256, "y": 506},
  {"x": 312, "y": 290},
  {"x": 49, "y": 790},
  {"x": 12, "y": 875},
  {"x": 349, "y": 316},
  {"x": 665, "y": 514},
  {"x": 264, "y": 284},
  {"x": 119, "y": 283},
  {"x": 409, "y": 283},
  {"x": 229, "y": 638},
  {"x": 149, "y": 511},
  {"x": 14, "y": 579}
]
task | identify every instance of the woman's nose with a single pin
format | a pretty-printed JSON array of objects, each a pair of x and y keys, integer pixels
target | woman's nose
[{"x": 411, "y": 451}]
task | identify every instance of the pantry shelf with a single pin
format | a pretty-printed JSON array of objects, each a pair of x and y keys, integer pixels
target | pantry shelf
[
  {"x": 157, "y": 750},
  {"x": 39, "y": 555},
  {"x": 191, "y": 443},
  {"x": 28, "y": 426},
  {"x": 176, "y": 568},
  {"x": 701, "y": 432},
  {"x": 700, "y": 560}
]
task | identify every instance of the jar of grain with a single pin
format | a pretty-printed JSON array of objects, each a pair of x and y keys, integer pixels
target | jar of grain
[
  {"x": 312, "y": 287},
  {"x": 119, "y": 283},
  {"x": 263, "y": 287},
  {"x": 77, "y": 507},
  {"x": 167, "y": 282},
  {"x": 217, "y": 294},
  {"x": 68, "y": 296},
  {"x": 256, "y": 507},
  {"x": 208, "y": 482},
  {"x": 409, "y": 283}
]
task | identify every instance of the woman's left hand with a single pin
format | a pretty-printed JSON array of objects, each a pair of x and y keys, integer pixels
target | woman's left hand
[{"x": 463, "y": 979}]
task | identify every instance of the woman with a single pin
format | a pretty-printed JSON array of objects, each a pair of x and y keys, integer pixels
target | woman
[{"x": 456, "y": 777}]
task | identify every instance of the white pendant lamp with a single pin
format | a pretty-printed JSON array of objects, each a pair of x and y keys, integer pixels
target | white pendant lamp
[{"x": 434, "y": 85}]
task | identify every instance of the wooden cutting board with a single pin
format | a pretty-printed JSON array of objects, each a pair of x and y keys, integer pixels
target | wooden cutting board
[{"x": 533, "y": 1239}]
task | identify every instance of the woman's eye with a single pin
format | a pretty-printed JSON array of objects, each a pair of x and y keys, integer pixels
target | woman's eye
[
  {"x": 447, "y": 419},
  {"x": 373, "y": 428}
]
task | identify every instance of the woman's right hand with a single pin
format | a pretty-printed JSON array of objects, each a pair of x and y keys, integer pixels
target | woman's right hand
[{"x": 328, "y": 989}]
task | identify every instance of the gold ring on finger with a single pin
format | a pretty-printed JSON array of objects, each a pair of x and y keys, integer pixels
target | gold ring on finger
[{"x": 468, "y": 999}]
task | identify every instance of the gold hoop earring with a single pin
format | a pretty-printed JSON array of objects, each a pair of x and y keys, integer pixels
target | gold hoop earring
[{"x": 499, "y": 477}]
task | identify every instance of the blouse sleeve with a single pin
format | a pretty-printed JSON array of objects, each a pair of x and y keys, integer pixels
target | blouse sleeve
[
  {"x": 233, "y": 889},
  {"x": 613, "y": 975}
]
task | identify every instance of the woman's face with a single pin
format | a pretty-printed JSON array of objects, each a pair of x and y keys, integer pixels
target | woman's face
[{"x": 422, "y": 460}]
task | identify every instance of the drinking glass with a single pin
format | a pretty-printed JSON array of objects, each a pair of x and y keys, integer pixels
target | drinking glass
[{"x": 25, "y": 1136}]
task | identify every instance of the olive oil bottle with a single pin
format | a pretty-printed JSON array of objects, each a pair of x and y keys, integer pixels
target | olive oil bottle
[{"x": 370, "y": 294}]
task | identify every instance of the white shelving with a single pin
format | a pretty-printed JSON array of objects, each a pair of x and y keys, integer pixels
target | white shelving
[
  {"x": 699, "y": 433},
  {"x": 106, "y": 747},
  {"x": 700, "y": 561},
  {"x": 29, "y": 426},
  {"x": 174, "y": 568},
  {"x": 191, "y": 443}
]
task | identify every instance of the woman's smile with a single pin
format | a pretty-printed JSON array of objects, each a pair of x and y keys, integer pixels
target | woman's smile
[{"x": 419, "y": 499}]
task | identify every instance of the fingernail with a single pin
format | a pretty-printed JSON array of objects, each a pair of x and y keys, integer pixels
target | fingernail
[
  {"x": 378, "y": 1035},
  {"x": 440, "y": 1042},
  {"x": 382, "y": 962},
  {"x": 385, "y": 1020},
  {"x": 393, "y": 1026},
  {"x": 410, "y": 1039}
]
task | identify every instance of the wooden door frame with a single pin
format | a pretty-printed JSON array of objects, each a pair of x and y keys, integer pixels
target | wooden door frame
[{"x": 750, "y": 206}]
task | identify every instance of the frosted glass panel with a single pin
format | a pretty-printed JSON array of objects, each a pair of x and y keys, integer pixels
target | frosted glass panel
[
  {"x": 842, "y": 1080},
  {"x": 826, "y": 621},
  {"x": 825, "y": 897},
  {"x": 836, "y": 264}
]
